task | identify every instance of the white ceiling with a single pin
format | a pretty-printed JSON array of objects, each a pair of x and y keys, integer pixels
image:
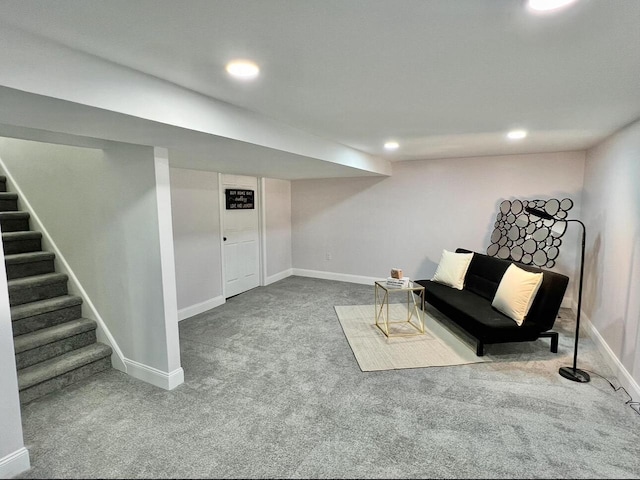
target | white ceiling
[{"x": 444, "y": 78}]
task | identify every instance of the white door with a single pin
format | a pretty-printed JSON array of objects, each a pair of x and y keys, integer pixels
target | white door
[{"x": 240, "y": 234}]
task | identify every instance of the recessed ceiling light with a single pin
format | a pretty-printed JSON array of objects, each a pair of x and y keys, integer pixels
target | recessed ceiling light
[
  {"x": 243, "y": 69},
  {"x": 391, "y": 145},
  {"x": 517, "y": 134},
  {"x": 548, "y": 5}
]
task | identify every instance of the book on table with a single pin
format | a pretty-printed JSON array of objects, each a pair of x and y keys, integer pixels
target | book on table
[{"x": 398, "y": 282}]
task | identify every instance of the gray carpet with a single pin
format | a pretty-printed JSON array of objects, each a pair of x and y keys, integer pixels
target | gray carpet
[{"x": 272, "y": 390}]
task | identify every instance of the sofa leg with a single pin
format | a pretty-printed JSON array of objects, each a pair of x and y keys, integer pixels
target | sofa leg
[
  {"x": 554, "y": 340},
  {"x": 480, "y": 349}
]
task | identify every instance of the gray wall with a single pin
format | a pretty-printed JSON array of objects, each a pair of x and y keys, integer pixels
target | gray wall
[
  {"x": 100, "y": 207},
  {"x": 369, "y": 225},
  {"x": 611, "y": 298},
  {"x": 278, "y": 227},
  {"x": 195, "y": 203}
]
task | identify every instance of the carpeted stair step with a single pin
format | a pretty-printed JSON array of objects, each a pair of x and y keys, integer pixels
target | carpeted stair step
[
  {"x": 33, "y": 316},
  {"x": 37, "y": 287},
  {"x": 47, "y": 343},
  {"x": 8, "y": 202},
  {"x": 27, "y": 264},
  {"x": 3, "y": 183},
  {"x": 14, "y": 221},
  {"x": 21, "y": 242},
  {"x": 57, "y": 373}
]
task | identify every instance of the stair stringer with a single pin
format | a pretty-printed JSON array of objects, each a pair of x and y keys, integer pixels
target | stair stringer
[{"x": 75, "y": 287}]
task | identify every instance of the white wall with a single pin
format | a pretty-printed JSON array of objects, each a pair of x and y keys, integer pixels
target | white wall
[
  {"x": 369, "y": 225},
  {"x": 195, "y": 203},
  {"x": 278, "y": 228},
  {"x": 172, "y": 375},
  {"x": 14, "y": 458},
  {"x": 611, "y": 205},
  {"x": 195, "y": 197},
  {"x": 101, "y": 210}
]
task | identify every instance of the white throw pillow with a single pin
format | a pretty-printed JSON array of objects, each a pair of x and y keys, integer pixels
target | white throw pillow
[
  {"x": 452, "y": 269},
  {"x": 516, "y": 293}
]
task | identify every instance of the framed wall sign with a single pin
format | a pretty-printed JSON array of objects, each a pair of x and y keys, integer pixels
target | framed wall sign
[{"x": 239, "y": 199}]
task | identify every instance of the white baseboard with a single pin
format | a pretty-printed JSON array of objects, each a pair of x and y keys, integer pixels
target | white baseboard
[
  {"x": 278, "y": 276},
  {"x": 15, "y": 463},
  {"x": 340, "y": 277},
  {"x": 192, "y": 310},
  {"x": 567, "y": 302},
  {"x": 165, "y": 380},
  {"x": 625, "y": 378}
]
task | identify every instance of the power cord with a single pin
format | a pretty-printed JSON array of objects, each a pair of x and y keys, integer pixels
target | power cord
[{"x": 635, "y": 406}]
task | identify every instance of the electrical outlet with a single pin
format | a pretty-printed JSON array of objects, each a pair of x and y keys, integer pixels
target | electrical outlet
[{"x": 327, "y": 256}]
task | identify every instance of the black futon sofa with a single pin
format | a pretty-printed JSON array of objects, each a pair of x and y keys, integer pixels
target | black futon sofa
[{"x": 471, "y": 308}]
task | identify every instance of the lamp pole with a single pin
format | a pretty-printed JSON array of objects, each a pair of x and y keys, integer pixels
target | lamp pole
[
  {"x": 575, "y": 374},
  {"x": 571, "y": 373}
]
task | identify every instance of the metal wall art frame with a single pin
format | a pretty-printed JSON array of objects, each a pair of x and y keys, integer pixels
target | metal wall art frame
[{"x": 525, "y": 238}]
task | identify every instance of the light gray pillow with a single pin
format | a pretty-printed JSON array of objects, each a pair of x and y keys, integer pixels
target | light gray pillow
[
  {"x": 516, "y": 292},
  {"x": 452, "y": 269}
]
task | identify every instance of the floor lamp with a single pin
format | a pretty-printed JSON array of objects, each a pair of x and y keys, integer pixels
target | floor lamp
[{"x": 570, "y": 373}]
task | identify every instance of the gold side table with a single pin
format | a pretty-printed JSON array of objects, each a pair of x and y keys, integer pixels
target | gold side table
[{"x": 382, "y": 293}]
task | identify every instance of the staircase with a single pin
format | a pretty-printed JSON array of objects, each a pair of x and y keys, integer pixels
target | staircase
[{"x": 54, "y": 345}]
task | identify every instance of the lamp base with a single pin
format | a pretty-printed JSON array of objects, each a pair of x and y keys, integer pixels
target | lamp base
[{"x": 576, "y": 375}]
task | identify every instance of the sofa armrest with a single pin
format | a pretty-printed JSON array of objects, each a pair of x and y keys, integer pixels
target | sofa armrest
[{"x": 545, "y": 307}]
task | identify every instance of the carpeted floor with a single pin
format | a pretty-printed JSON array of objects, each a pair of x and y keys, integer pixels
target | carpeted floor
[{"x": 272, "y": 390}]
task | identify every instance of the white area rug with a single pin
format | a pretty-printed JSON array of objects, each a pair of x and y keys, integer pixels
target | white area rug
[{"x": 438, "y": 347}]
